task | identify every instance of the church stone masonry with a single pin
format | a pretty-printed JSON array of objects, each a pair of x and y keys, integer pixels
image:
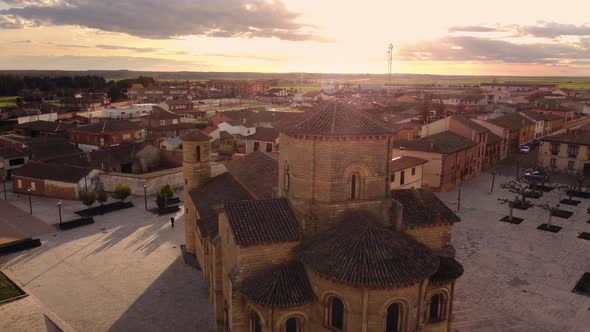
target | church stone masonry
[{"x": 335, "y": 251}]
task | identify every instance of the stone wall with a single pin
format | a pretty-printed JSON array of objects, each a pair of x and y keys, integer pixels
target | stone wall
[
  {"x": 435, "y": 237},
  {"x": 153, "y": 180}
]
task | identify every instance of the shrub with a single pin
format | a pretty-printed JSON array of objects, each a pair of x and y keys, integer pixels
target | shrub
[
  {"x": 164, "y": 195},
  {"x": 121, "y": 192},
  {"x": 88, "y": 198},
  {"x": 101, "y": 196}
]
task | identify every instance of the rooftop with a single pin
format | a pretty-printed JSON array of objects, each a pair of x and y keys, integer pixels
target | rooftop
[
  {"x": 264, "y": 134},
  {"x": 400, "y": 163},
  {"x": 511, "y": 121},
  {"x": 258, "y": 172},
  {"x": 574, "y": 136},
  {"x": 262, "y": 221},
  {"x": 47, "y": 126},
  {"x": 195, "y": 136},
  {"x": 422, "y": 207},
  {"x": 444, "y": 143},
  {"x": 108, "y": 126},
  {"x": 336, "y": 119},
  {"x": 56, "y": 172},
  {"x": 470, "y": 124}
]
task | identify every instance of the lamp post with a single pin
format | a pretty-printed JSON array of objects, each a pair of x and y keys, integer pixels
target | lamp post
[
  {"x": 4, "y": 185},
  {"x": 59, "y": 211},
  {"x": 30, "y": 203},
  {"x": 145, "y": 195}
]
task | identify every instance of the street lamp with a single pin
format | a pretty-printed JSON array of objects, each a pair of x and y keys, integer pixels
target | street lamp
[
  {"x": 59, "y": 210},
  {"x": 145, "y": 195},
  {"x": 4, "y": 184},
  {"x": 30, "y": 203}
]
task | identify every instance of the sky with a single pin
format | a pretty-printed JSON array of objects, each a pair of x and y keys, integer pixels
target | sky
[{"x": 452, "y": 37}]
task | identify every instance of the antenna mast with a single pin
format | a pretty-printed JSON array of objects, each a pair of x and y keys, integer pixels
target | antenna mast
[{"x": 389, "y": 61}]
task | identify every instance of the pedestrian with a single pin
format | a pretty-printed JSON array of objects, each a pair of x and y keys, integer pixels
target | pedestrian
[{"x": 172, "y": 221}]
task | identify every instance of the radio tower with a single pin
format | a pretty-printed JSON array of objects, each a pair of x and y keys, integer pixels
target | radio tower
[{"x": 389, "y": 61}]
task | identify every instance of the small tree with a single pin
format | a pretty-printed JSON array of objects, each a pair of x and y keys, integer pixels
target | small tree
[
  {"x": 121, "y": 192},
  {"x": 511, "y": 204},
  {"x": 581, "y": 181},
  {"x": 88, "y": 197},
  {"x": 552, "y": 209},
  {"x": 101, "y": 197},
  {"x": 519, "y": 186},
  {"x": 165, "y": 194}
]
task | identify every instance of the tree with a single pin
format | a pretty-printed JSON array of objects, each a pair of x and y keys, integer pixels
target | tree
[
  {"x": 511, "y": 204},
  {"x": 581, "y": 181},
  {"x": 552, "y": 209},
  {"x": 101, "y": 197},
  {"x": 519, "y": 186},
  {"x": 165, "y": 194},
  {"x": 424, "y": 108},
  {"x": 440, "y": 109},
  {"x": 121, "y": 192},
  {"x": 88, "y": 197}
]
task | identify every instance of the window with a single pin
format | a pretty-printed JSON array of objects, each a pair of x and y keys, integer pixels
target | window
[
  {"x": 255, "y": 323},
  {"x": 198, "y": 153},
  {"x": 392, "y": 178},
  {"x": 162, "y": 122},
  {"x": 572, "y": 151},
  {"x": 554, "y": 148},
  {"x": 413, "y": 171},
  {"x": 402, "y": 177},
  {"x": 436, "y": 308},
  {"x": 17, "y": 161},
  {"x": 553, "y": 163},
  {"x": 256, "y": 146},
  {"x": 126, "y": 136},
  {"x": 268, "y": 147},
  {"x": 33, "y": 186},
  {"x": 19, "y": 183},
  {"x": 286, "y": 178},
  {"x": 571, "y": 165},
  {"x": 292, "y": 325},
  {"x": 393, "y": 321},
  {"x": 336, "y": 317}
]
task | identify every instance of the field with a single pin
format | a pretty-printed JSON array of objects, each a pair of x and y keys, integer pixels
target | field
[{"x": 7, "y": 101}]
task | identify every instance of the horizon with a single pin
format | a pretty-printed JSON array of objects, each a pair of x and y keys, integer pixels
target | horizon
[{"x": 451, "y": 38}]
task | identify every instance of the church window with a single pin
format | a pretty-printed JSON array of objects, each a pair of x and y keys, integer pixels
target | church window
[
  {"x": 198, "y": 153},
  {"x": 292, "y": 325},
  {"x": 393, "y": 322},
  {"x": 336, "y": 314},
  {"x": 287, "y": 178},
  {"x": 255, "y": 323},
  {"x": 436, "y": 312}
]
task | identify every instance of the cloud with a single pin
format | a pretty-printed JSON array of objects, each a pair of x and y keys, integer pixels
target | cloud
[
  {"x": 553, "y": 30},
  {"x": 473, "y": 28},
  {"x": 466, "y": 48},
  {"x": 128, "y": 48},
  {"x": 68, "y": 45},
  {"x": 98, "y": 63},
  {"x": 159, "y": 19}
]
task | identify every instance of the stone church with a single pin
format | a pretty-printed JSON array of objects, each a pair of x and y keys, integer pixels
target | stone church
[{"x": 332, "y": 248}]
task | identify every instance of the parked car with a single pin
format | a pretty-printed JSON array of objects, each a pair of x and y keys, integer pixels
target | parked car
[
  {"x": 536, "y": 142},
  {"x": 537, "y": 175},
  {"x": 525, "y": 149}
]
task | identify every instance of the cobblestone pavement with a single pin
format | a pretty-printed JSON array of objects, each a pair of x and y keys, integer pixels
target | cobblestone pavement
[
  {"x": 517, "y": 278},
  {"x": 122, "y": 273}
]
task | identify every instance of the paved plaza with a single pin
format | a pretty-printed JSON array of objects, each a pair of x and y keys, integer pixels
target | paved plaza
[
  {"x": 122, "y": 273},
  {"x": 517, "y": 278}
]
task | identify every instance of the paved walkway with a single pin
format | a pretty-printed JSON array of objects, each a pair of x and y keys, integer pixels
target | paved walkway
[
  {"x": 16, "y": 224},
  {"x": 517, "y": 278},
  {"x": 123, "y": 273}
]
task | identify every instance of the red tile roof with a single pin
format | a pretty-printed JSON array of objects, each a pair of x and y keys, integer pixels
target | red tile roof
[
  {"x": 195, "y": 136},
  {"x": 422, "y": 207},
  {"x": 405, "y": 162}
]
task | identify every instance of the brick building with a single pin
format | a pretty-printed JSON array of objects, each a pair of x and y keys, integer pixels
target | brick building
[
  {"x": 161, "y": 123},
  {"x": 107, "y": 132},
  {"x": 335, "y": 251},
  {"x": 567, "y": 152}
]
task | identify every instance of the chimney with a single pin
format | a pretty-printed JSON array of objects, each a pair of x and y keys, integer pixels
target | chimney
[{"x": 397, "y": 210}]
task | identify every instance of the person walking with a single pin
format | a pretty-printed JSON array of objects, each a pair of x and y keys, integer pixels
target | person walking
[{"x": 172, "y": 221}]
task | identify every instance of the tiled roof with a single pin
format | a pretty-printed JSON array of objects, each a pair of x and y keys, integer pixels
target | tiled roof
[
  {"x": 448, "y": 270},
  {"x": 225, "y": 135},
  {"x": 470, "y": 124},
  {"x": 263, "y": 221},
  {"x": 10, "y": 153},
  {"x": 195, "y": 136},
  {"x": 336, "y": 118},
  {"x": 400, "y": 163},
  {"x": 209, "y": 129},
  {"x": 173, "y": 127},
  {"x": 51, "y": 147},
  {"x": 264, "y": 134},
  {"x": 574, "y": 136},
  {"x": 512, "y": 121},
  {"x": 493, "y": 138},
  {"x": 444, "y": 143},
  {"x": 159, "y": 113},
  {"x": 108, "y": 126},
  {"x": 219, "y": 190},
  {"x": 55, "y": 172},
  {"x": 363, "y": 252},
  {"x": 422, "y": 207},
  {"x": 283, "y": 285},
  {"x": 175, "y": 102},
  {"x": 40, "y": 125},
  {"x": 258, "y": 172}
]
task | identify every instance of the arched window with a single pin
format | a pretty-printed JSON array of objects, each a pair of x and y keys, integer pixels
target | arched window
[
  {"x": 336, "y": 314},
  {"x": 198, "y": 153},
  {"x": 436, "y": 312},
  {"x": 356, "y": 186},
  {"x": 393, "y": 321},
  {"x": 286, "y": 178},
  {"x": 292, "y": 325},
  {"x": 255, "y": 323}
]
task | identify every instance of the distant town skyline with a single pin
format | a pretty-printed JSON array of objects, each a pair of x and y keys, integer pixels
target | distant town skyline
[{"x": 521, "y": 38}]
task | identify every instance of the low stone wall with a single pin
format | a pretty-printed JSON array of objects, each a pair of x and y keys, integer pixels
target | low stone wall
[{"x": 153, "y": 180}]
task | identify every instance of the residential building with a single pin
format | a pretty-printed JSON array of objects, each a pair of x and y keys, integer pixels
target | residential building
[
  {"x": 41, "y": 128},
  {"x": 567, "y": 152},
  {"x": 451, "y": 159},
  {"x": 521, "y": 130},
  {"x": 11, "y": 159},
  {"x": 161, "y": 123},
  {"x": 568, "y": 114},
  {"x": 406, "y": 172},
  {"x": 300, "y": 260},
  {"x": 263, "y": 139},
  {"x": 107, "y": 132}
]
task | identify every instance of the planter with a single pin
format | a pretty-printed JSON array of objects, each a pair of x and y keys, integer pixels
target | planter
[
  {"x": 521, "y": 206},
  {"x": 19, "y": 245},
  {"x": 581, "y": 194},
  {"x": 102, "y": 209},
  {"x": 545, "y": 189},
  {"x": 547, "y": 228},
  {"x": 76, "y": 223},
  {"x": 569, "y": 202},
  {"x": 514, "y": 221},
  {"x": 562, "y": 214},
  {"x": 583, "y": 285},
  {"x": 169, "y": 209},
  {"x": 584, "y": 236},
  {"x": 534, "y": 194}
]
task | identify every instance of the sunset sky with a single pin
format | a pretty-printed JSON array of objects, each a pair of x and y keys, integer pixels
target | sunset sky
[{"x": 463, "y": 37}]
